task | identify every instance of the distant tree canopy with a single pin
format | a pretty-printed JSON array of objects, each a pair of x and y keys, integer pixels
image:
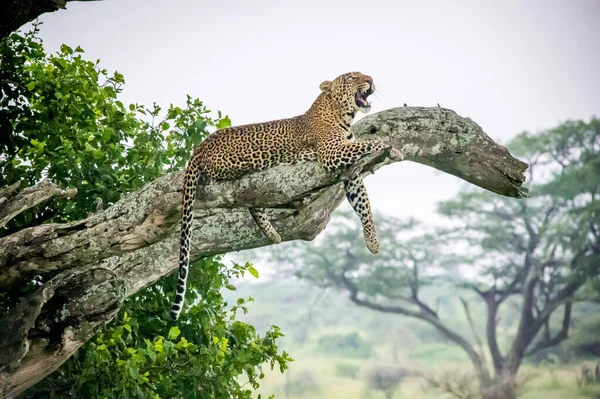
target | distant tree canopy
[
  {"x": 348, "y": 345},
  {"x": 61, "y": 119},
  {"x": 542, "y": 252}
]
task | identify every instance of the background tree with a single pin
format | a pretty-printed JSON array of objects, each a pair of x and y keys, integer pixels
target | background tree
[
  {"x": 545, "y": 250},
  {"x": 65, "y": 123},
  {"x": 542, "y": 254}
]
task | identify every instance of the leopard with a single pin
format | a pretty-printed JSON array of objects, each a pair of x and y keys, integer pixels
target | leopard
[{"x": 321, "y": 134}]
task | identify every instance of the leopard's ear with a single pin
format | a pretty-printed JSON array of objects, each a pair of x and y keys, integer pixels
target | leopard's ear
[{"x": 326, "y": 86}]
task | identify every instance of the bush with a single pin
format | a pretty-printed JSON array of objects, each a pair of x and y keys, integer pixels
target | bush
[
  {"x": 301, "y": 383},
  {"x": 588, "y": 376},
  {"x": 385, "y": 378},
  {"x": 348, "y": 345},
  {"x": 585, "y": 340}
]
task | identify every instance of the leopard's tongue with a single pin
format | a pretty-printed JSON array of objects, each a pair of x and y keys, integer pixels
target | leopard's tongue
[{"x": 362, "y": 100}]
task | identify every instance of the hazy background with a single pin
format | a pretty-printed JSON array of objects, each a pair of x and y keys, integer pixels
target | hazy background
[{"x": 510, "y": 66}]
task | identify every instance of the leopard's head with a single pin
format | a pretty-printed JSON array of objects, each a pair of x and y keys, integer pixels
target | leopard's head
[{"x": 350, "y": 91}]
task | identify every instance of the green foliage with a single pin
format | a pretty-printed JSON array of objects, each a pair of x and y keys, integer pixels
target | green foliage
[
  {"x": 585, "y": 340},
  {"x": 347, "y": 345},
  {"x": 61, "y": 118},
  {"x": 208, "y": 354}
]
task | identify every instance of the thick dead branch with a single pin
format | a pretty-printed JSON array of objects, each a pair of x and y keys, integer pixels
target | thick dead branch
[
  {"x": 28, "y": 198},
  {"x": 92, "y": 264}
]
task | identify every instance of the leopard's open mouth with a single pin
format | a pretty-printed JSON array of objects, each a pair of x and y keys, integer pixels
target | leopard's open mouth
[{"x": 361, "y": 98}]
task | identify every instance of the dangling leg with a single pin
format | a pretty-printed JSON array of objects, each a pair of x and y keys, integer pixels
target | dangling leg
[
  {"x": 260, "y": 217},
  {"x": 356, "y": 193}
]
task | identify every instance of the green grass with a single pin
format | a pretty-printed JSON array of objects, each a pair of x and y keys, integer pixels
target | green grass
[
  {"x": 438, "y": 353},
  {"x": 558, "y": 382}
]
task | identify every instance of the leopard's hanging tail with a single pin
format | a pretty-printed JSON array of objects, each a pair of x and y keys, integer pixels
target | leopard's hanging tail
[{"x": 190, "y": 181}]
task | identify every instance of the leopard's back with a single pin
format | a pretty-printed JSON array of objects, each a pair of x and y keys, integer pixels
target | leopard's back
[{"x": 235, "y": 151}]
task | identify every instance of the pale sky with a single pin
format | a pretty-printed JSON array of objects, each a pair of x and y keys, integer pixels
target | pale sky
[{"x": 508, "y": 65}]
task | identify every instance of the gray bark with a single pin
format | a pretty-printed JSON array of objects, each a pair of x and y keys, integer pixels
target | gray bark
[{"x": 91, "y": 265}]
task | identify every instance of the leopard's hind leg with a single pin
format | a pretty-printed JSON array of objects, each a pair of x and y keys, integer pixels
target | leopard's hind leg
[{"x": 259, "y": 215}]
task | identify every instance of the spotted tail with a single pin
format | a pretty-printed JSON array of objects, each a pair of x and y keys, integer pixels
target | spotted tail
[{"x": 190, "y": 182}]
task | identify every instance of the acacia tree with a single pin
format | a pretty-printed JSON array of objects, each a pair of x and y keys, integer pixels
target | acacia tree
[
  {"x": 543, "y": 252},
  {"x": 79, "y": 272}
]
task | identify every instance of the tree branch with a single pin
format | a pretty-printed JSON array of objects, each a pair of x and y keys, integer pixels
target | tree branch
[
  {"x": 473, "y": 329},
  {"x": 28, "y": 198},
  {"x": 17, "y": 13},
  {"x": 563, "y": 334},
  {"x": 135, "y": 242},
  {"x": 421, "y": 315},
  {"x": 490, "y": 329}
]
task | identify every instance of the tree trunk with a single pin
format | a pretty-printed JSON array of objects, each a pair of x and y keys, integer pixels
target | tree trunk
[
  {"x": 500, "y": 388},
  {"x": 90, "y": 266}
]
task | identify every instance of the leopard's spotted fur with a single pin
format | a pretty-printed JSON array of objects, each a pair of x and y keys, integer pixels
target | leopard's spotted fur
[{"x": 322, "y": 134}]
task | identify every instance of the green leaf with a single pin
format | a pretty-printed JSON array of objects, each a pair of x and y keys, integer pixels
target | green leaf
[
  {"x": 66, "y": 49},
  {"x": 253, "y": 271},
  {"x": 133, "y": 372},
  {"x": 31, "y": 85},
  {"x": 174, "y": 333},
  {"x": 230, "y": 287},
  {"x": 107, "y": 134},
  {"x": 118, "y": 77},
  {"x": 98, "y": 154},
  {"x": 223, "y": 123}
]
